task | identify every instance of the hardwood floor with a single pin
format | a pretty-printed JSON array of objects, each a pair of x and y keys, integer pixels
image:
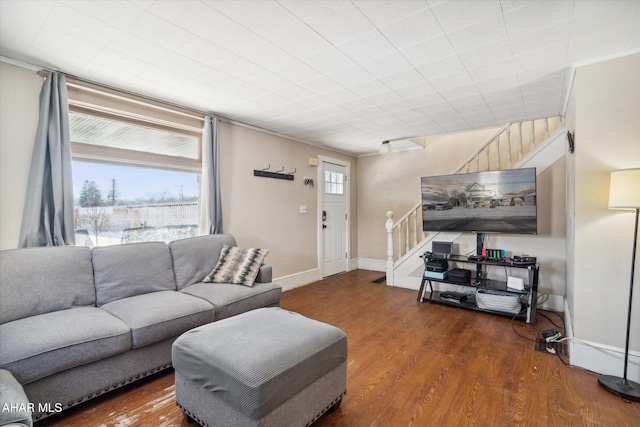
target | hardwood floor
[{"x": 409, "y": 364}]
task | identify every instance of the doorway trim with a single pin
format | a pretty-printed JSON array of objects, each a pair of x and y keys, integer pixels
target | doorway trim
[{"x": 320, "y": 180}]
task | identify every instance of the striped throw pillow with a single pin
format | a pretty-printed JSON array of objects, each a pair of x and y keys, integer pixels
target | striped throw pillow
[{"x": 238, "y": 266}]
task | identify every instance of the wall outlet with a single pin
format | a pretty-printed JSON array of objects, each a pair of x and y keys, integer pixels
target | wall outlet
[{"x": 303, "y": 209}]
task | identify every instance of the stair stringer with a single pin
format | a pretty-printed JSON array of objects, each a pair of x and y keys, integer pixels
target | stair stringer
[{"x": 405, "y": 269}]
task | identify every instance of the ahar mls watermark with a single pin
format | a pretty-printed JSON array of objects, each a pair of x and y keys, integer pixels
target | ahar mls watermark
[{"x": 31, "y": 407}]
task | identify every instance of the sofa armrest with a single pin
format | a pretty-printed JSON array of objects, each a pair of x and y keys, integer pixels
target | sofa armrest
[
  {"x": 265, "y": 274},
  {"x": 12, "y": 397}
]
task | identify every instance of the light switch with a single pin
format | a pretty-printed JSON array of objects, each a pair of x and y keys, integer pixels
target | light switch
[{"x": 303, "y": 209}]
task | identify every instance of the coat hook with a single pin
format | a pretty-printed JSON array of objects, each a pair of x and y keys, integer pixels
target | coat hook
[
  {"x": 267, "y": 168},
  {"x": 294, "y": 171},
  {"x": 280, "y": 170}
]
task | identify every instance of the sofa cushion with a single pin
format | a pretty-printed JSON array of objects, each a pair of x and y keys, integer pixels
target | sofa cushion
[
  {"x": 156, "y": 316},
  {"x": 38, "y": 346},
  {"x": 123, "y": 271},
  {"x": 239, "y": 266},
  {"x": 41, "y": 280},
  {"x": 230, "y": 299},
  {"x": 195, "y": 257}
]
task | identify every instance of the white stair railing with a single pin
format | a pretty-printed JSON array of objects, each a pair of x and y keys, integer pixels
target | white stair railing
[{"x": 406, "y": 233}]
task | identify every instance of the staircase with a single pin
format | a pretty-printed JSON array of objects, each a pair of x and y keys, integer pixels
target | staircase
[{"x": 535, "y": 143}]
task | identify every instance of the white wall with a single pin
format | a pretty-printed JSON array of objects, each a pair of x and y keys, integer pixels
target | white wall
[
  {"x": 607, "y": 128},
  {"x": 19, "y": 105}
]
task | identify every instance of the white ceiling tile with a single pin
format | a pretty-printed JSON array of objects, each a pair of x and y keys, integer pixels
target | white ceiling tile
[
  {"x": 509, "y": 82},
  {"x": 441, "y": 67},
  {"x": 459, "y": 91},
  {"x": 493, "y": 70},
  {"x": 412, "y": 29},
  {"x": 428, "y": 51},
  {"x": 456, "y": 79},
  {"x": 541, "y": 37},
  {"x": 478, "y": 35},
  {"x": 386, "y": 65},
  {"x": 541, "y": 73},
  {"x": 367, "y": 46},
  {"x": 427, "y": 99},
  {"x": 329, "y": 61},
  {"x": 302, "y": 42},
  {"x": 502, "y": 95},
  {"x": 403, "y": 79},
  {"x": 555, "y": 83},
  {"x": 541, "y": 57},
  {"x": 297, "y": 72},
  {"x": 136, "y": 47},
  {"x": 592, "y": 17},
  {"x": 81, "y": 24},
  {"x": 454, "y": 15},
  {"x": 335, "y": 21},
  {"x": 351, "y": 76},
  {"x": 159, "y": 32},
  {"x": 65, "y": 42},
  {"x": 268, "y": 56},
  {"x": 50, "y": 56},
  {"x": 117, "y": 13},
  {"x": 266, "y": 18},
  {"x": 120, "y": 62},
  {"x": 535, "y": 15},
  {"x": 416, "y": 89},
  {"x": 486, "y": 54},
  {"x": 385, "y": 97},
  {"x": 368, "y": 88},
  {"x": 603, "y": 43},
  {"x": 468, "y": 103},
  {"x": 315, "y": 102},
  {"x": 384, "y": 12},
  {"x": 511, "y": 5},
  {"x": 294, "y": 92},
  {"x": 34, "y": 10},
  {"x": 321, "y": 85},
  {"x": 12, "y": 39}
]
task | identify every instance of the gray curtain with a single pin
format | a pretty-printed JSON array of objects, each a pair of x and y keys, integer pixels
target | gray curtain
[
  {"x": 48, "y": 209},
  {"x": 210, "y": 204}
]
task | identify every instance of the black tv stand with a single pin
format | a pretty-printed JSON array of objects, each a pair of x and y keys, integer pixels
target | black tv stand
[{"x": 528, "y": 296}]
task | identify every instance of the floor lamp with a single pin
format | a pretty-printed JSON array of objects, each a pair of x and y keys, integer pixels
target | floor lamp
[{"x": 624, "y": 193}]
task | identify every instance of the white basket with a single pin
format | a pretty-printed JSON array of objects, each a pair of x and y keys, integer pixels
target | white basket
[{"x": 498, "y": 301}]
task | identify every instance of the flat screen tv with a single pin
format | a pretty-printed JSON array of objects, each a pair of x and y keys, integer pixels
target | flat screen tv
[{"x": 482, "y": 202}]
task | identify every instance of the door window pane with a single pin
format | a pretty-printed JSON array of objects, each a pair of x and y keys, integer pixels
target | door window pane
[{"x": 334, "y": 183}]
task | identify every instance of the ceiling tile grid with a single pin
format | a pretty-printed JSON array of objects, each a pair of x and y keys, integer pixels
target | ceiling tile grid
[{"x": 341, "y": 74}]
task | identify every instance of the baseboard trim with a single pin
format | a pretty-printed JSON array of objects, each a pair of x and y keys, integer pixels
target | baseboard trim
[
  {"x": 603, "y": 359},
  {"x": 297, "y": 280},
  {"x": 371, "y": 264}
]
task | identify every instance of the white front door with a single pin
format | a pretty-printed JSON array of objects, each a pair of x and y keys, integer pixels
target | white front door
[{"x": 334, "y": 218}]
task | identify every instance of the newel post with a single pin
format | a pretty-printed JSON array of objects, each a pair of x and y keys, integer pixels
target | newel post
[{"x": 389, "y": 227}]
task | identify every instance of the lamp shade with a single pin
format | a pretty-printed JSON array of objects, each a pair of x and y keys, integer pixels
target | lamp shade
[{"x": 624, "y": 189}]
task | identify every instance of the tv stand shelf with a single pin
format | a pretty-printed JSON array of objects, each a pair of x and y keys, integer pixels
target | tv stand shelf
[{"x": 528, "y": 296}]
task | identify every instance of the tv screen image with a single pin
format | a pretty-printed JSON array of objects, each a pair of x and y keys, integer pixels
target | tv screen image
[{"x": 483, "y": 202}]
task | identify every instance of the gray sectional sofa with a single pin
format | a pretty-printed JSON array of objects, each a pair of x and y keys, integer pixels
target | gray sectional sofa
[{"x": 78, "y": 322}]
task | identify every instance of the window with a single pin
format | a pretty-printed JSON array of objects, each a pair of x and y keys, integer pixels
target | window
[
  {"x": 136, "y": 168},
  {"x": 333, "y": 183}
]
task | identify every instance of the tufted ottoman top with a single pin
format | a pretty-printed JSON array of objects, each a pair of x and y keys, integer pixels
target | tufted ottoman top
[{"x": 259, "y": 359}]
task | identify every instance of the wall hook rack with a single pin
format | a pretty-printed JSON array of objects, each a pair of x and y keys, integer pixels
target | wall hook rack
[{"x": 264, "y": 173}]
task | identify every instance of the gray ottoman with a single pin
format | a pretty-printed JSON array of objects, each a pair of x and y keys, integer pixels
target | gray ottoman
[{"x": 265, "y": 367}]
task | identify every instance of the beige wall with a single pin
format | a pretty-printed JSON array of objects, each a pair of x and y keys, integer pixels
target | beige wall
[
  {"x": 607, "y": 126},
  {"x": 392, "y": 182},
  {"x": 265, "y": 212},
  {"x": 19, "y": 104},
  {"x": 260, "y": 212}
]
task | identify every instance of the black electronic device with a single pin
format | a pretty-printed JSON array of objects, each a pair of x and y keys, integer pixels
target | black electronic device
[
  {"x": 456, "y": 297},
  {"x": 441, "y": 249},
  {"x": 483, "y": 202},
  {"x": 459, "y": 275},
  {"x": 523, "y": 260}
]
